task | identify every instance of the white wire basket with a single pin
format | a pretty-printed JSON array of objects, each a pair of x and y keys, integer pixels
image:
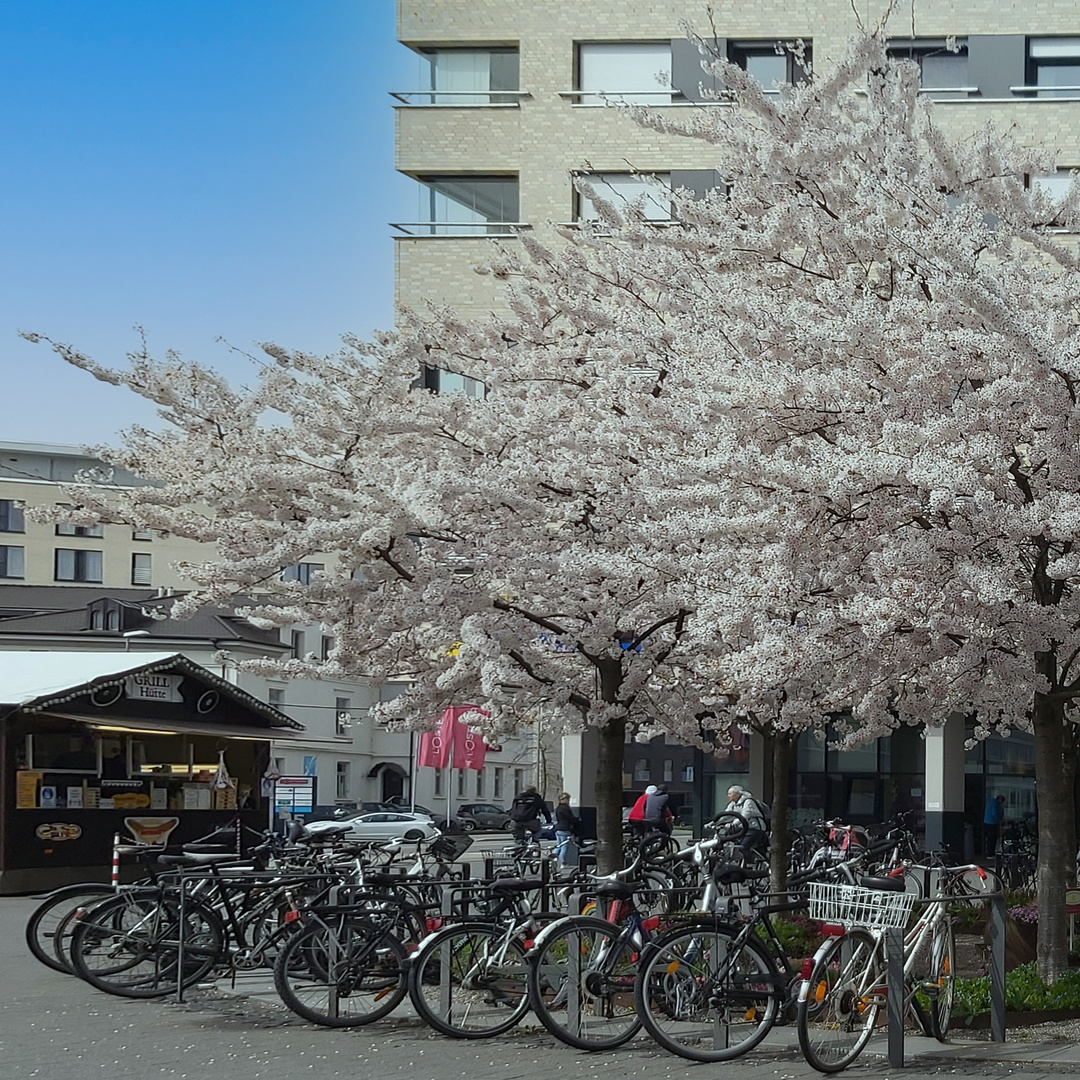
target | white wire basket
[{"x": 853, "y": 906}]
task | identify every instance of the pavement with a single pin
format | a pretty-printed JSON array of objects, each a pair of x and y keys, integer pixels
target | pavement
[{"x": 54, "y": 1027}]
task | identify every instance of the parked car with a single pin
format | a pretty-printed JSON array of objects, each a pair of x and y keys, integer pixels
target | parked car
[
  {"x": 483, "y": 816},
  {"x": 380, "y": 825},
  {"x": 442, "y": 822}
]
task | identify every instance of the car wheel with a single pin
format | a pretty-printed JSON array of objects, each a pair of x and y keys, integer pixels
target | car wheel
[
  {"x": 509, "y": 826},
  {"x": 468, "y": 826},
  {"x": 414, "y": 834}
]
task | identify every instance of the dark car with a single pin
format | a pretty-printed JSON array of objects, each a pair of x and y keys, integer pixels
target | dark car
[{"x": 484, "y": 816}]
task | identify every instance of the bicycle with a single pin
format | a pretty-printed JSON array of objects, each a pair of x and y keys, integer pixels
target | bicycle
[{"x": 845, "y": 987}]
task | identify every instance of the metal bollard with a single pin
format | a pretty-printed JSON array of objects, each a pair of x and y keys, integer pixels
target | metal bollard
[
  {"x": 894, "y": 959},
  {"x": 997, "y": 968}
]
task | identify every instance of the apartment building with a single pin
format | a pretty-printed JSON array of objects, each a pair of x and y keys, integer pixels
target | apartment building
[
  {"x": 79, "y": 588},
  {"x": 510, "y": 104}
]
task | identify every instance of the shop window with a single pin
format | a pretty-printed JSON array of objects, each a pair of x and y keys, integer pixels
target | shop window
[
  {"x": 62, "y": 752},
  {"x": 77, "y": 565},
  {"x": 11, "y": 516}
]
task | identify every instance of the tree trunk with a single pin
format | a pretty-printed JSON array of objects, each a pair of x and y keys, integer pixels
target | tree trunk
[
  {"x": 783, "y": 756},
  {"x": 609, "y": 770},
  {"x": 1054, "y": 805}
]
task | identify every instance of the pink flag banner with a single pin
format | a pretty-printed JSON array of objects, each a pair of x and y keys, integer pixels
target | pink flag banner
[
  {"x": 435, "y": 746},
  {"x": 452, "y": 743}
]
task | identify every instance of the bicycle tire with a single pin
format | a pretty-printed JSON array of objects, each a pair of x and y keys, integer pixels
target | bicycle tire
[
  {"x": 941, "y": 988},
  {"x": 129, "y": 944},
  {"x": 839, "y": 1003},
  {"x": 351, "y": 960},
  {"x": 45, "y": 927},
  {"x": 461, "y": 985},
  {"x": 581, "y": 983},
  {"x": 702, "y": 1000}
]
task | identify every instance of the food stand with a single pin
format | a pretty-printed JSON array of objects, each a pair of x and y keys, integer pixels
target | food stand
[{"x": 153, "y": 747}]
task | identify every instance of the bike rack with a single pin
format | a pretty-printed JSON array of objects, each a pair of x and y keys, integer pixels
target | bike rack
[{"x": 894, "y": 953}]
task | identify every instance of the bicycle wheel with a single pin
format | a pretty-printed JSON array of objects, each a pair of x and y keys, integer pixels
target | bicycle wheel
[
  {"x": 342, "y": 973},
  {"x": 581, "y": 983},
  {"x": 45, "y": 929},
  {"x": 129, "y": 944},
  {"x": 839, "y": 1003},
  {"x": 705, "y": 997},
  {"x": 470, "y": 981},
  {"x": 940, "y": 987}
]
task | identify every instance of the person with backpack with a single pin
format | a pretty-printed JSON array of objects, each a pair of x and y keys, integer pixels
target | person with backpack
[
  {"x": 525, "y": 813},
  {"x": 757, "y": 815}
]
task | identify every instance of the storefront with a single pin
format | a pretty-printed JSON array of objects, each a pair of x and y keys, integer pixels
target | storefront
[{"x": 152, "y": 747}]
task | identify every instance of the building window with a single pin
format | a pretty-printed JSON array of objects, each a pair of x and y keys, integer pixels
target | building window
[
  {"x": 299, "y": 644},
  {"x": 112, "y": 618},
  {"x": 669, "y": 770},
  {"x": 461, "y": 783},
  {"x": 647, "y": 193},
  {"x": 440, "y": 787},
  {"x": 768, "y": 66},
  {"x": 1054, "y": 66},
  {"x": 630, "y": 71},
  {"x": 64, "y": 529},
  {"x": 342, "y": 716},
  {"x": 303, "y": 572},
  {"x": 326, "y": 647},
  {"x": 343, "y": 768},
  {"x": 641, "y": 769},
  {"x": 1055, "y": 186},
  {"x": 142, "y": 534},
  {"x": 11, "y": 561},
  {"x": 472, "y": 76},
  {"x": 519, "y": 781},
  {"x": 11, "y": 517},
  {"x": 481, "y": 777},
  {"x": 497, "y": 784},
  {"x": 275, "y": 695},
  {"x": 451, "y": 382},
  {"x": 140, "y": 568},
  {"x": 468, "y": 205},
  {"x": 943, "y": 72},
  {"x": 73, "y": 565},
  {"x": 688, "y": 774}
]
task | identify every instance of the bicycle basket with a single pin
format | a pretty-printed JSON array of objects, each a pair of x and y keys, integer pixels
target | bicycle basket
[
  {"x": 450, "y": 847},
  {"x": 851, "y": 906}
]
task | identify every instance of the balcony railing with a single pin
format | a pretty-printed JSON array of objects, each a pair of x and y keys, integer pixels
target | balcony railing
[
  {"x": 460, "y": 99},
  {"x": 1048, "y": 93},
  {"x": 460, "y": 228}
]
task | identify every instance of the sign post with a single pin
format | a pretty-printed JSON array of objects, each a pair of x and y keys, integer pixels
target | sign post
[{"x": 294, "y": 794}]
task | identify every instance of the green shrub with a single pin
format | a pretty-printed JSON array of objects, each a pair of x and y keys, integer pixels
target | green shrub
[{"x": 1024, "y": 992}]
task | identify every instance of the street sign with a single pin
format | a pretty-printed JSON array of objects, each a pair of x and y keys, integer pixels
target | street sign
[{"x": 294, "y": 794}]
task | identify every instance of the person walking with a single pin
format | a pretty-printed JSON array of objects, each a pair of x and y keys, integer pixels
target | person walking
[
  {"x": 525, "y": 813},
  {"x": 993, "y": 816},
  {"x": 566, "y": 832}
]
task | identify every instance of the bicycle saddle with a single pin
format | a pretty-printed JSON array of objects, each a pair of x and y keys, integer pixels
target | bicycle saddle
[
  {"x": 733, "y": 874},
  {"x": 515, "y": 885},
  {"x": 619, "y": 890},
  {"x": 883, "y": 884}
]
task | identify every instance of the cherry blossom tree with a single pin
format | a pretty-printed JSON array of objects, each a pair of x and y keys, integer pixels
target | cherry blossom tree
[{"x": 810, "y": 450}]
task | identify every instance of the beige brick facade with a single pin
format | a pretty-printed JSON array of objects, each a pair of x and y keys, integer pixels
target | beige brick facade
[{"x": 549, "y": 136}]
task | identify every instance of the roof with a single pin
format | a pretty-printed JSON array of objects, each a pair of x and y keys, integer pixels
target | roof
[{"x": 35, "y": 681}]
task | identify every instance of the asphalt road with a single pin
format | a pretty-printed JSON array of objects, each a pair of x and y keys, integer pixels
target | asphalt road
[{"x": 53, "y": 1027}]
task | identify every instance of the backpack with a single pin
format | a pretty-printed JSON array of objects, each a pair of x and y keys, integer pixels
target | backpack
[
  {"x": 523, "y": 808},
  {"x": 766, "y": 813}
]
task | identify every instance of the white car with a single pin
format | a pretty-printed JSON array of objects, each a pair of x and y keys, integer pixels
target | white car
[{"x": 380, "y": 825}]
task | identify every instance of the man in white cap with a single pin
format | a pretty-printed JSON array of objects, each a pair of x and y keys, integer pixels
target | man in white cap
[
  {"x": 657, "y": 815},
  {"x": 636, "y": 817}
]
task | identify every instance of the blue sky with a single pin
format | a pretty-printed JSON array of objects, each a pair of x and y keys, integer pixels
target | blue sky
[{"x": 202, "y": 168}]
